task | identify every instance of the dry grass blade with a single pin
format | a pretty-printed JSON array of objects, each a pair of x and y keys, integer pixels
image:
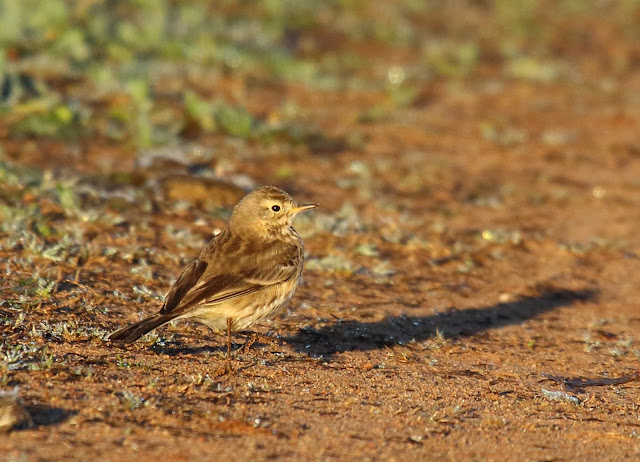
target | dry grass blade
[{"x": 581, "y": 382}]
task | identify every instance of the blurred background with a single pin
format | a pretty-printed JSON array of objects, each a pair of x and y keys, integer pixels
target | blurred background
[{"x": 97, "y": 83}]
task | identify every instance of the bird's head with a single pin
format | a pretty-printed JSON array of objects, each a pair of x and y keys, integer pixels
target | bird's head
[{"x": 267, "y": 211}]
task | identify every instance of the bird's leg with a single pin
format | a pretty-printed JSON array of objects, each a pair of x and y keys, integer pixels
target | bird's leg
[
  {"x": 257, "y": 336},
  {"x": 228, "y": 344},
  {"x": 252, "y": 339}
]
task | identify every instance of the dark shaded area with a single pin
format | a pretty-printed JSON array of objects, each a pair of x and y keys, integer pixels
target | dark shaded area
[
  {"x": 241, "y": 340},
  {"x": 363, "y": 336},
  {"x": 181, "y": 349},
  {"x": 45, "y": 416}
]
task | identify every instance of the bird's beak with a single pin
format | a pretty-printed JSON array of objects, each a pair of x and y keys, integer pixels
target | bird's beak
[{"x": 302, "y": 208}]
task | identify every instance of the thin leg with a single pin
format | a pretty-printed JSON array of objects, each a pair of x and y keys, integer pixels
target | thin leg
[
  {"x": 252, "y": 339},
  {"x": 257, "y": 336},
  {"x": 229, "y": 344}
]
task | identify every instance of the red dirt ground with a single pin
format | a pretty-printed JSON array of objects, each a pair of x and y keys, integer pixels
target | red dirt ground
[{"x": 469, "y": 246}]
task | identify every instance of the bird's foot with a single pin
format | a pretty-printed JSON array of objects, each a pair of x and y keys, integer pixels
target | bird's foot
[
  {"x": 228, "y": 367},
  {"x": 259, "y": 337},
  {"x": 249, "y": 343}
]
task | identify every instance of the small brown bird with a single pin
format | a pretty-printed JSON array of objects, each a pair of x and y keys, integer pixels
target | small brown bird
[{"x": 245, "y": 274}]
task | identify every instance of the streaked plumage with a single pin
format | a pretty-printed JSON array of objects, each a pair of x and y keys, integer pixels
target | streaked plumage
[{"x": 245, "y": 274}]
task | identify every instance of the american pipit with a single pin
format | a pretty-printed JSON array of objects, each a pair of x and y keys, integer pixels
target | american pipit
[{"x": 245, "y": 274}]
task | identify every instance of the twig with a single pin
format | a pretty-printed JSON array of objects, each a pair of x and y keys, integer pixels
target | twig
[{"x": 581, "y": 382}]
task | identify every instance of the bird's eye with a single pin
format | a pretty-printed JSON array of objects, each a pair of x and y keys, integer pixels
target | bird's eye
[{"x": 275, "y": 208}]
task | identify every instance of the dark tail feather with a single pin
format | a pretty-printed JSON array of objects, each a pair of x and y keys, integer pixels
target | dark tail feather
[{"x": 135, "y": 331}]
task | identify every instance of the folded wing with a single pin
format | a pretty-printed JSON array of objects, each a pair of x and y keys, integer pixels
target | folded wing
[{"x": 201, "y": 284}]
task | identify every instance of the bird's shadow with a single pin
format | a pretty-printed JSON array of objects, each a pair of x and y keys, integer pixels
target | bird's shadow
[
  {"x": 364, "y": 336},
  {"x": 180, "y": 347}
]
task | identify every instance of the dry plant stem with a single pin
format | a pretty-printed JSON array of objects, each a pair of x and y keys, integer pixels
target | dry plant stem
[{"x": 580, "y": 382}]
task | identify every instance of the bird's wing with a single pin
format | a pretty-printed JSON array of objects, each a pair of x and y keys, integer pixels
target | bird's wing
[
  {"x": 197, "y": 286},
  {"x": 187, "y": 280}
]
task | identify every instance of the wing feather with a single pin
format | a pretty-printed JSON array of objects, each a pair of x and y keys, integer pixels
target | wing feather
[
  {"x": 183, "y": 285},
  {"x": 203, "y": 284}
]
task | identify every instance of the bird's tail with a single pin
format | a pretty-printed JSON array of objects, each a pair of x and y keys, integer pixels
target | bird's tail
[{"x": 135, "y": 331}]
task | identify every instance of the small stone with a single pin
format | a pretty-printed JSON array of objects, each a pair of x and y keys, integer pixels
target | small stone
[{"x": 12, "y": 411}]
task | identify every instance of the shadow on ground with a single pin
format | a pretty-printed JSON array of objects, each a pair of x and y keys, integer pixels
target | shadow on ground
[
  {"x": 362, "y": 336},
  {"x": 180, "y": 346},
  {"x": 46, "y": 416}
]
